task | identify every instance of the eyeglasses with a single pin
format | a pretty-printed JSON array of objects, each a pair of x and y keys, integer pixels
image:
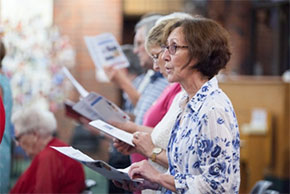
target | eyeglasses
[
  {"x": 18, "y": 137},
  {"x": 172, "y": 48},
  {"x": 155, "y": 57}
]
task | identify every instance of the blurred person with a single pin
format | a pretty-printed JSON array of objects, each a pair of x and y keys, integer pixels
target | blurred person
[
  {"x": 150, "y": 84},
  {"x": 5, "y": 146},
  {"x": 49, "y": 171},
  {"x": 203, "y": 150},
  {"x": 117, "y": 159},
  {"x": 134, "y": 70},
  {"x": 144, "y": 141}
]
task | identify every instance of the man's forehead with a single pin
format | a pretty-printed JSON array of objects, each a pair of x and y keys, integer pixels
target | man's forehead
[{"x": 140, "y": 32}]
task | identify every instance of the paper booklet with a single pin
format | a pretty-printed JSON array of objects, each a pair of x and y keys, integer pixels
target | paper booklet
[
  {"x": 92, "y": 106},
  {"x": 70, "y": 112},
  {"x": 97, "y": 165},
  {"x": 113, "y": 131},
  {"x": 106, "y": 51},
  {"x": 95, "y": 106}
]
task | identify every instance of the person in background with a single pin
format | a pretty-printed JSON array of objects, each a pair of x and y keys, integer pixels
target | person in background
[
  {"x": 5, "y": 146},
  {"x": 152, "y": 142},
  {"x": 151, "y": 84},
  {"x": 49, "y": 171},
  {"x": 117, "y": 159},
  {"x": 204, "y": 146},
  {"x": 132, "y": 72}
]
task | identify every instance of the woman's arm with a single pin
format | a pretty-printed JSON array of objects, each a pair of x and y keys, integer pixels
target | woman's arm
[
  {"x": 132, "y": 127},
  {"x": 144, "y": 145}
]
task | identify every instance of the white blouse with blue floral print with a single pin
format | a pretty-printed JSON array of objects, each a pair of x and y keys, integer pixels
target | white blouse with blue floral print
[{"x": 204, "y": 147}]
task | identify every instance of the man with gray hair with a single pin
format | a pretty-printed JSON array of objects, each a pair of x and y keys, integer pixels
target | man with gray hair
[{"x": 149, "y": 85}]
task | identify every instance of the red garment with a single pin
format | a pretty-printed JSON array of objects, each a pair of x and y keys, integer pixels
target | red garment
[
  {"x": 2, "y": 119},
  {"x": 51, "y": 172},
  {"x": 157, "y": 111}
]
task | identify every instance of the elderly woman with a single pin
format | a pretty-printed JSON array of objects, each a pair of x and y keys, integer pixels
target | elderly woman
[
  {"x": 203, "y": 150},
  {"x": 49, "y": 171}
]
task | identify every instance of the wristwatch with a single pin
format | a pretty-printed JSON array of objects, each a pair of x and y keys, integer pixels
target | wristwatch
[{"x": 155, "y": 152}]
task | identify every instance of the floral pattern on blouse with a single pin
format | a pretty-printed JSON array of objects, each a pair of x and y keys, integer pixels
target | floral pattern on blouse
[{"x": 204, "y": 147}]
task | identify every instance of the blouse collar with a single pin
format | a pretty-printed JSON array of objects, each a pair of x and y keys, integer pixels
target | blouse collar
[{"x": 197, "y": 100}]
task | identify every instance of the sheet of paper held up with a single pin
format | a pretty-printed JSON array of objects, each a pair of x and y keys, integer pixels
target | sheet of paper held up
[
  {"x": 97, "y": 165},
  {"x": 106, "y": 51},
  {"x": 75, "y": 83},
  {"x": 95, "y": 106},
  {"x": 113, "y": 131}
]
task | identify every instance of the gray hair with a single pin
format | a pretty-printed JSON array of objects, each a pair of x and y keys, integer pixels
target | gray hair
[
  {"x": 174, "y": 15},
  {"x": 133, "y": 59},
  {"x": 147, "y": 23},
  {"x": 34, "y": 118}
]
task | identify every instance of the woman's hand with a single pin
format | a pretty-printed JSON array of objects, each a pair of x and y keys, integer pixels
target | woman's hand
[
  {"x": 143, "y": 143},
  {"x": 123, "y": 147},
  {"x": 144, "y": 170},
  {"x": 115, "y": 75}
]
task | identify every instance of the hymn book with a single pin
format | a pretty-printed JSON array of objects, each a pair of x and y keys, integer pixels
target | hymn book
[
  {"x": 97, "y": 165},
  {"x": 92, "y": 106}
]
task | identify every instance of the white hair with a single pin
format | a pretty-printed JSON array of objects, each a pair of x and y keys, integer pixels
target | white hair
[
  {"x": 34, "y": 118},
  {"x": 147, "y": 23},
  {"x": 174, "y": 15}
]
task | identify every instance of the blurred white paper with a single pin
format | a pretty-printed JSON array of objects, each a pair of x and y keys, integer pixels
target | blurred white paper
[
  {"x": 105, "y": 51},
  {"x": 113, "y": 131},
  {"x": 95, "y": 106},
  {"x": 75, "y": 83},
  {"x": 97, "y": 165},
  {"x": 259, "y": 119}
]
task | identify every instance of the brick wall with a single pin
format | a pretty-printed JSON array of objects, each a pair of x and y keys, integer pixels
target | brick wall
[
  {"x": 77, "y": 18},
  {"x": 235, "y": 17}
]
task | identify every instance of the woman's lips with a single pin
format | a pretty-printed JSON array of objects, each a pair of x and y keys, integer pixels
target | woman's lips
[{"x": 168, "y": 70}]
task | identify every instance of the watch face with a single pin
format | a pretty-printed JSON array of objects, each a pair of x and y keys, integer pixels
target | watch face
[{"x": 157, "y": 150}]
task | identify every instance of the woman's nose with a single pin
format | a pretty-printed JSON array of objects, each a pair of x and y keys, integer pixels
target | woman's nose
[
  {"x": 165, "y": 55},
  {"x": 156, "y": 66}
]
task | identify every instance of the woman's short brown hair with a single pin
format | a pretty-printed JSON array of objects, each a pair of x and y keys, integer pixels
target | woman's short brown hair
[{"x": 207, "y": 42}]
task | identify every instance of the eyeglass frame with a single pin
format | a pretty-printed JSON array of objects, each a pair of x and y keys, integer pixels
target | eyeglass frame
[
  {"x": 18, "y": 137},
  {"x": 164, "y": 47},
  {"x": 155, "y": 57}
]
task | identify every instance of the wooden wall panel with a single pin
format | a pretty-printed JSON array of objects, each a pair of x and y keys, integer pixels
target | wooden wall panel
[{"x": 247, "y": 93}]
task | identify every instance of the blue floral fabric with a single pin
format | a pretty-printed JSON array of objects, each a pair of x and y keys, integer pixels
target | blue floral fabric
[{"x": 204, "y": 147}]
